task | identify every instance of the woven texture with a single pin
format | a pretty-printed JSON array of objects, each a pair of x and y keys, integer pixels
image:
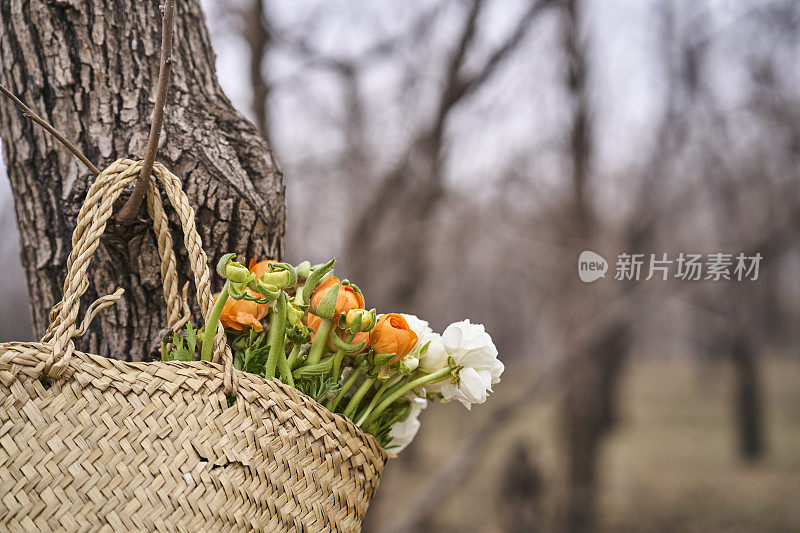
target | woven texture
[{"x": 89, "y": 443}]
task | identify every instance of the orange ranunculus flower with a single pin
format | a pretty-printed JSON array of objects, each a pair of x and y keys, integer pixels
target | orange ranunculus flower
[
  {"x": 346, "y": 299},
  {"x": 392, "y": 334},
  {"x": 241, "y": 314},
  {"x": 313, "y": 321},
  {"x": 260, "y": 267}
]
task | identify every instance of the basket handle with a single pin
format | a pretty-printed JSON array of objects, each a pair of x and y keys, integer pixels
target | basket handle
[{"x": 92, "y": 219}]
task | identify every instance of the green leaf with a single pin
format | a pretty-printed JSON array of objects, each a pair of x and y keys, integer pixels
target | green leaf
[
  {"x": 318, "y": 387},
  {"x": 184, "y": 355},
  {"x": 191, "y": 339},
  {"x": 257, "y": 360}
]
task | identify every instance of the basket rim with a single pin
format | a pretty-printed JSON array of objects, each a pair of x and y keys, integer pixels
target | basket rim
[{"x": 212, "y": 373}]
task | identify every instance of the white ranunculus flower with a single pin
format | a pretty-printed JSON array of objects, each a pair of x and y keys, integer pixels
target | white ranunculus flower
[
  {"x": 404, "y": 432},
  {"x": 417, "y": 325},
  {"x": 471, "y": 348}
]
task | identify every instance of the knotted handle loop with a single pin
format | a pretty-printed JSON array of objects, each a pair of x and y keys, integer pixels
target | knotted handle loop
[{"x": 92, "y": 219}]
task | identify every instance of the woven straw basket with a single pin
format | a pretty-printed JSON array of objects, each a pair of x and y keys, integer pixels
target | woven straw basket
[{"x": 89, "y": 443}]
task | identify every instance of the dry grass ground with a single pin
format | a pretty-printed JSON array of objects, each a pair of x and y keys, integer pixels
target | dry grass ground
[{"x": 671, "y": 465}]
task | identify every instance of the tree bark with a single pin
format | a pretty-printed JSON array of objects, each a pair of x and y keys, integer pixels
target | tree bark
[{"x": 89, "y": 67}]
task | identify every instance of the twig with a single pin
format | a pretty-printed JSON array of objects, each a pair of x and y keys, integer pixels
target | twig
[
  {"x": 27, "y": 112},
  {"x": 131, "y": 207}
]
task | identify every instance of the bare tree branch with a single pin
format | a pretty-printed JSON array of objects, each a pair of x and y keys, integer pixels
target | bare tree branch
[
  {"x": 428, "y": 143},
  {"x": 258, "y": 34},
  {"x": 128, "y": 212},
  {"x": 468, "y": 84},
  {"x": 28, "y": 113}
]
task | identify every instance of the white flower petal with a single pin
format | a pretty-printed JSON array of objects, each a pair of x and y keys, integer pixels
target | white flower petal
[
  {"x": 417, "y": 325},
  {"x": 482, "y": 356},
  {"x": 404, "y": 432},
  {"x": 472, "y": 387},
  {"x": 470, "y": 345},
  {"x": 436, "y": 357},
  {"x": 452, "y": 336},
  {"x": 496, "y": 370},
  {"x": 448, "y": 390},
  {"x": 486, "y": 379}
]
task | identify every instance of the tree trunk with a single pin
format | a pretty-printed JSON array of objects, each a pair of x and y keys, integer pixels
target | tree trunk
[
  {"x": 89, "y": 67},
  {"x": 746, "y": 402},
  {"x": 589, "y": 414},
  {"x": 520, "y": 494},
  {"x": 585, "y": 408}
]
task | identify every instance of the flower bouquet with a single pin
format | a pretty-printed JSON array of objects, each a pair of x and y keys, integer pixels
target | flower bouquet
[{"x": 311, "y": 330}]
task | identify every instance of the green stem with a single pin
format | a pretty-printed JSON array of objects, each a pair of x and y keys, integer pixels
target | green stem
[
  {"x": 347, "y": 384},
  {"x": 444, "y": 372},
  {"x": 284, "y": 368},
  {"x": 211, "y": 324},
  {"x": 352, "y": 406},
  {"x": 376, "y": 430},
  {"x": 293, "y": 355},
  {"x": 321, "y": 338},
  {"x": 387, "y": 384},
  {"x": 400, "y": 383},
  {"x": 277, "y": 325},
  {"x": 337, "y": 359},
  {"x": 314, "y": 370}
]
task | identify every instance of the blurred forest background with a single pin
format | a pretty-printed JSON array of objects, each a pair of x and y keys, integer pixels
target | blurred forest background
[{"x": 458, "y": 155}]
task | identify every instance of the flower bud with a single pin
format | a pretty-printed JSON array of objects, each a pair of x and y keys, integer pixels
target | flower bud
[
  {"x": 303, "y": 270},
  {"x": 324, "y": 304},
  {"x": 360, "y": 320},
  {"x": 237, "y": 272},
  {"x": 279, "y": 279},
  {"x": 392, "y": 334},
  {"x": 347, "y": 297},
  {"x": 280, "y": 275},
  {"x": 294, "y": 315},
  {"x": 223, "y": 262},
  {"x": 260, "y": 267},
  {"x": 233, "y": 270}
]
